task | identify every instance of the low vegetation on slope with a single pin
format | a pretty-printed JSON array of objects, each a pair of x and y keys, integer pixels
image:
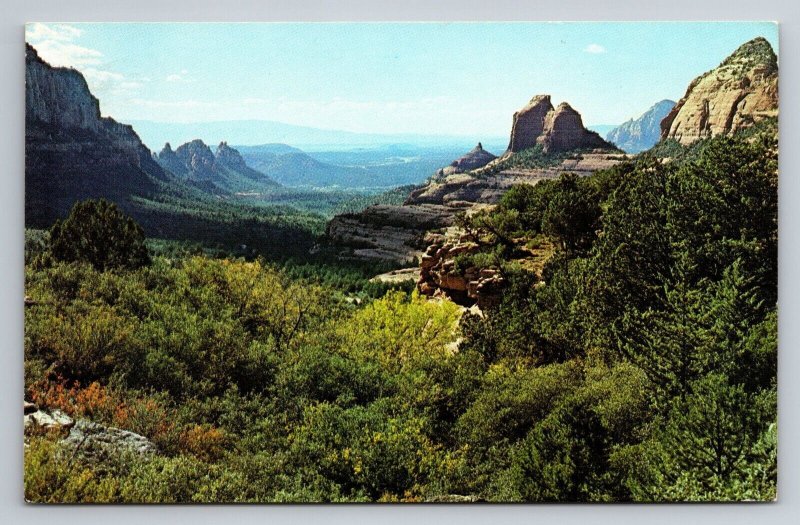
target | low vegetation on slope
[{"x": 638, "y": 365}]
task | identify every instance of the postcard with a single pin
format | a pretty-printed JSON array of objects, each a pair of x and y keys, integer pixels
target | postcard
[{"x": 401, "y": 262}]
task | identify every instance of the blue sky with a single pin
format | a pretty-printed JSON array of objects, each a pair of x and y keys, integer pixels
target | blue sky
[{"x": 432, "y": 78}]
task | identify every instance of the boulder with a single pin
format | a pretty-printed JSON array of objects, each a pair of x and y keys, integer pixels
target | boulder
[
  {"x": 97, "y": 443},
  {"x": 37, "y": 420}
]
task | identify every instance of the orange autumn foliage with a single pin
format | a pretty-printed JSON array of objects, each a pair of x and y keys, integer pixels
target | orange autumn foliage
[
  {"x": 100, "y": 403},
  {"x": 204, "y": 441}
]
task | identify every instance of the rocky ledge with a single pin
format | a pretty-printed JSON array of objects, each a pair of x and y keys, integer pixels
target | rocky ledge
[
  {"x": 468, "y": 286},
  {"x": 476, "y": 180},
  {"x": 398, "y": 233},
  {"x": 393, "y": 233}
]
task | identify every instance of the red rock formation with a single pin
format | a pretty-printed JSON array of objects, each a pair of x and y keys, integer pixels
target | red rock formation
[
  {"x": 737, "y": 94},
  {"x": 564, "y": 131},
  {"x": 477, "y": 157},
  {"x": 528, "y": 123},
  {"x": 556, "y": 130},
  {"x": 473, "y": 285}
]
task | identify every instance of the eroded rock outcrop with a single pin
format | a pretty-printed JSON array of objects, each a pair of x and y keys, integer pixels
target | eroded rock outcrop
[
  {"x": 528, "y": 123},
  {"x": 739, "y": 93},
  {"x": 198, "y": 159},
  {"x": 440, "y": 274},
  {"x": 398, "y": 233},
  {"x": 37, "y": 420},
  {"x": 92, "y": 441},
  {"x": 170, "y": 161},
  {"x": 221, "y": 171},
  {"x": 477, "y": 157},
  {"x": 555, "y": 129},
  {"x": 393, "y": 233}
]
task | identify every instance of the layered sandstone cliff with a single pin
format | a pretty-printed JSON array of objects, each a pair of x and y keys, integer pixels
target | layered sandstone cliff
[{"x": 739, "y": 93}]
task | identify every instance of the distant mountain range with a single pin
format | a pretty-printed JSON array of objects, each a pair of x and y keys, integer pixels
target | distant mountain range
[
  {"x": 643, "y": 132},
  {"x": 377, "y": 167},
  {"x": 73, "y": 153},
  {"x": 255, "y": 132},
  {"x": 601, "y": 129},
  {"x": 223, "y": 171}
]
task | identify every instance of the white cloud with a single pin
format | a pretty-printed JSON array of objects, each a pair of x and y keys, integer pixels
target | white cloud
[
  {"x": 108, "y": 82},
  {"x": 66, "y": 54},
  {"x": 130, "y": 85},
  {"x": 595, "y": 49},
  {"x": 179, "y": 77},
  {"x": 177, "y": 104},
  {"x": 98, "y": 75},
  {"x": 60, "y": 32},
  {"x": 55, "y": 45}
]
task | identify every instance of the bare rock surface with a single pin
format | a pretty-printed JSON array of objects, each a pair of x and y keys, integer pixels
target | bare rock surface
[
  {"x": 97, "y": 442},
  {"x": 72, "y": 152},
  {"x": 737, "y": 94},
  {"x": 398, "y": 233},
  {"x": 92, "y": 441},
  {"x": 469, "y": 286},
  {"x": 398, "y": 276},
  {"x": 528, "y": 123},
  {"x": 387, "y": 232},
  {"x": 402, "y": 233},
  {"x": 37, "y": 420},
  {"x": 643, "y": 132},
  {"x": 555, "y": 129}
]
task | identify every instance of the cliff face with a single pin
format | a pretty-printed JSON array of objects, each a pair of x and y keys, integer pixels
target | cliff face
[
  {"x": 229, "y": 157},
  {"x": 198, "y": 160},
  {"x": 170, "y": 161},
  {"x": 58, "y": 96},
  {"x": 71, "y": 152},
  {"x": 555, "y": 129},
  {"x": 737, "y": 94},
  {"x": 564, "y": 131},
  {"x": 528, "y": 123},
  {"x": 641, "y": 133}
]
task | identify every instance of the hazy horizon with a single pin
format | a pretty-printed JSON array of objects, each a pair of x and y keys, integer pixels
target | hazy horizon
[{"x": 432, "y": 79}]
